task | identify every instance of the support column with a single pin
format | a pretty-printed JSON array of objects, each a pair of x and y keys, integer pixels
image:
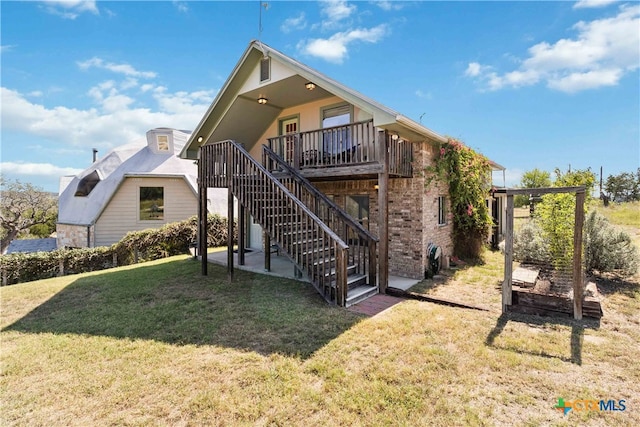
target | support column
[
  {"x": 383, "y": 213},
  {"x": 266, "y": 243},
  {"x": 202, "y": 214},
  {"x": 242, "y": 226},
  {"x": 508, "y": 257},
  {"x": 578, "y": 286},
  {"x": 230, "y": 234}
]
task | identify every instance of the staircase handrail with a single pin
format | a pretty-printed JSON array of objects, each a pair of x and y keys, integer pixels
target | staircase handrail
[
  {"x": 356, "y": 226},
  {"x": 283, "y": 188}
]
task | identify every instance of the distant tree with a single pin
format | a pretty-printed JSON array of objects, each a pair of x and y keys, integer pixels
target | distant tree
[
  {"x": 624, "y": 187},
  {"x": 534, "y": 178},
  {"x": 22, "y": 206}
]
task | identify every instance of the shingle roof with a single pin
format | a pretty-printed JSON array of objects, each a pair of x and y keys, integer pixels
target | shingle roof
[{"x": 32, "y": 245}]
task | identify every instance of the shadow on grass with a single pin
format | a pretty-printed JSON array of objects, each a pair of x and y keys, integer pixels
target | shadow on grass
[
  {"x": 609, "y": 285},
  {"x": 171, "y": 302},
  {"x": 576, "y": 340}
]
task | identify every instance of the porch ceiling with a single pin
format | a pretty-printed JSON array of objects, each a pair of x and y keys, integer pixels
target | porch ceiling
[{"x": 246, "y": 120}]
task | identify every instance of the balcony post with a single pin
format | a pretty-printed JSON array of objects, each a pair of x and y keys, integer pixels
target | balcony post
[{"x": 383, "y": 212}]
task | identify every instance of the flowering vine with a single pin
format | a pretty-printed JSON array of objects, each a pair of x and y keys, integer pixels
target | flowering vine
[{"x": 468, "y": 175}]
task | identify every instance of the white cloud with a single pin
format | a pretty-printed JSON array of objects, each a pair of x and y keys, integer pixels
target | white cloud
[
  {"x": 337, "y": 10},
  {"x": 6, "y": 48},
  {"x": 294, "y": 23},
  {"x": 37, "y": 169},
  {"x": 603, "y": 51},
  {"x": 423, "y": 95},
  {"x": 473, "y": 69},
  {"x": 70, "y": 9},
  {"x": 116, "y": 119},
  {"x": 576, "y": 82},
  {"x": 125, "y": 69},
  {"x": 334, "y": 49},
  {"x": 583, "y": 4},
  {"x": 182, "y": 6},
  {"x": 389, "y": 5}
]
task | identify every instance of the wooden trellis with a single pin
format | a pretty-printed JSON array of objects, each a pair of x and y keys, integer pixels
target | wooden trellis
[{"x": 577, "y": 275}]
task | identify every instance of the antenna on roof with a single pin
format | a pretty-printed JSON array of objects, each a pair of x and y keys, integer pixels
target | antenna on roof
[
  {"x": 95, "y": 154},
  {"x": 264, "y": 5}
]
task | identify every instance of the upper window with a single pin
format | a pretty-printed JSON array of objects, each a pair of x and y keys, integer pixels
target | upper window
[
  {"x": 151, "y": 203},
  {"x": 442, "y": 210},
  {"x": 336, "y": 115},
  {"x": 163, "y": 142},
  {"x": 87, "y": 184}
]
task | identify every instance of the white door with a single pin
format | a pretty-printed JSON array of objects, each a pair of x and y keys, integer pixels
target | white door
[{"x": 255, "y": 235}]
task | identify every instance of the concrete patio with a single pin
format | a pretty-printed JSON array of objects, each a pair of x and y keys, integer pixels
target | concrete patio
[{"x": 281, "y": 266}]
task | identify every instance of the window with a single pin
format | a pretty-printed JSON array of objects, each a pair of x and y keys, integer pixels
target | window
[
  {"x": 163, "y": 142},
  {"x": 336, "y": 116},
  {"x": 151, "y": 203},
  {"x": 442, "y": 210},
  {"x": 358, "y": 207},
  {"x": 87, "y": 184},
  {"x": 336, "y": 141}
]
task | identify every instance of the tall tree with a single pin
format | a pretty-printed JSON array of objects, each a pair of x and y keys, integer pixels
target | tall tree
[
  {"x": 624, "y": 187},
  {"x": 21, "y": 207},
  {"x": 534, "y": 178}
]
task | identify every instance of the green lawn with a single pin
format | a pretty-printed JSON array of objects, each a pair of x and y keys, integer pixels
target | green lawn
[{"x": 158, "y": 344}]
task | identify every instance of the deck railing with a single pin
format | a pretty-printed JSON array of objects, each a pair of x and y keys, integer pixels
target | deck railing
[
  {"x": 345, "y": 145},
  {"x": 362, "y": 244},
  {"x": 310, "y": 243}
]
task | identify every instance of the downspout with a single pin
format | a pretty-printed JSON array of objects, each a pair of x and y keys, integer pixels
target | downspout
[{"x": 89, "y": 235}]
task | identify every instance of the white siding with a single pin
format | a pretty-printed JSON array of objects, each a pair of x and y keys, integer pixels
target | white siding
[{"x": 122, "y": 213}]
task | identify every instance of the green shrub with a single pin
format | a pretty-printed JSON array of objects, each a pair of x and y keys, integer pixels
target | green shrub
[
  {"x": 608, "y": 249},
  {"x": 530, "y": 245},
  {"x": 145, "y": 245}
]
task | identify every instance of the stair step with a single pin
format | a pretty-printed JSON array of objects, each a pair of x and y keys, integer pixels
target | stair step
[
  {"x": 360, "y": 294},
  {"x": 351, "y": 269},
  {"x": 356, "y": 280}
]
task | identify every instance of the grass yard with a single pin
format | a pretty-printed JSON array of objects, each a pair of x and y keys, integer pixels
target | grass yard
[{"x": 158, "y": 344}]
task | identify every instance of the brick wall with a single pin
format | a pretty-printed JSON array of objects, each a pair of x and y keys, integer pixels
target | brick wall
[{"x": 413, "y": 215}]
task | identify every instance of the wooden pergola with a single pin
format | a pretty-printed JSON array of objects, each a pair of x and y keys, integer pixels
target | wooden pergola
[{"x": 578, "y": 285}]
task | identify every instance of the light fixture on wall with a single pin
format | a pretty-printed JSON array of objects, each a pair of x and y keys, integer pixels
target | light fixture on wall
[
  {"x": 394, "y": 136},
  {"x": 200, "y": 139},
  {"x": 310, "y": 85},
  {"x": 262, "y": 100}
]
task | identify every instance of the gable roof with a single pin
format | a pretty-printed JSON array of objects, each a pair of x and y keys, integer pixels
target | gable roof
[
  {"x": 236, "y": 103},
  {"x": 140, "y": 158}
]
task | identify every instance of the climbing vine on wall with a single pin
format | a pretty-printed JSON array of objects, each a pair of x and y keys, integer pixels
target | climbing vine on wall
[{"x": 468, "y": 175}]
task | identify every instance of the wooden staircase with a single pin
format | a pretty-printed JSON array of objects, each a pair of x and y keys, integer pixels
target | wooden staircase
[{"x": 335, "y": 251}]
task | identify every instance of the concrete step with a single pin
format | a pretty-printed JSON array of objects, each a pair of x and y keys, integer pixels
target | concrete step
[{"x": 360, "y": 293}]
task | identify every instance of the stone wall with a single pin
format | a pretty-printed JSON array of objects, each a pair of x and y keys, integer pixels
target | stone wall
[{"x": 73, "y": 236}]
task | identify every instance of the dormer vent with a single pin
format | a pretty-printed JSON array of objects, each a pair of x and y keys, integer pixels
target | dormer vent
[
  {"x": 265, "y": 69},
  {"x": 163, "y": 142}
]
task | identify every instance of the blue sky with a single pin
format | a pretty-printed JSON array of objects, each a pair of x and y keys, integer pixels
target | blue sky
[{"x": 529, "y": 84}]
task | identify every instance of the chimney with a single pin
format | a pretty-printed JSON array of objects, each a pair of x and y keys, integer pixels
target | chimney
[{"x": 95, "y": 154}]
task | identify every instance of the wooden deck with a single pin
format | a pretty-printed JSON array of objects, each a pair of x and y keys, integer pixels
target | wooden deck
[{"x": 340, "y": 151}]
